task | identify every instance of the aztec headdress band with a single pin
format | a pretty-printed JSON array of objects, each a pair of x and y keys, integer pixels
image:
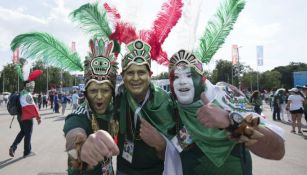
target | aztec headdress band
[
  {"x": 139, "y": 53},
  {"x": 185, "y": 58},
  {"x": 100, "y": 65}
]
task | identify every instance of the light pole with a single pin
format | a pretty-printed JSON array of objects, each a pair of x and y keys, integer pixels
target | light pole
[{"x": 239, "y": 67}]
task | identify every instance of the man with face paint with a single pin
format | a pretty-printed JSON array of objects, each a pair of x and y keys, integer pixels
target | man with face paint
[
  {"x": 28, "y": 112},
  {"x": 144, "y": 111},
  {"x": 94, "y": 116},
  {"x": 201, "y": 136}
]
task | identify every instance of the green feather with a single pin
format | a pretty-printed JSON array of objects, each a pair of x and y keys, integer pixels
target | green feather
[
  {"x": 42, "y": 45},
  {"x": 19, "y": 71},
  {"x": 219, "y": 28},
  {"x": 93, "y": 20}
]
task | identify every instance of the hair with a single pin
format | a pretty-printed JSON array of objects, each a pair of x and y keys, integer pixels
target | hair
[{"x": 255, "y": 94}]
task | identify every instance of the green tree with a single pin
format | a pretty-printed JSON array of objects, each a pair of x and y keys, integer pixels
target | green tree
[
  {"x": 270, "y": 80},
  {"x": 222, "y": 71},
  {"x": 287, "y": 73},
  {"x": 10, "y": 77}
]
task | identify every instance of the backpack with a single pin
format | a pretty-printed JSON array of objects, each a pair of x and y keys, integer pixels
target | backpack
[{"x": 13, "y": 104}]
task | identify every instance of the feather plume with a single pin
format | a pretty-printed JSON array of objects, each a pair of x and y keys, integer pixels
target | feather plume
[
  {"x": 167, "y": 19},
  {"x": 218, "y": 28},
  {"x": 113, "y": 11},
  {"x": 92, "y": 20},
  {"x": 19, "y": 71},
  {"x": 35, "y": 74},
  {"x": 124, "y": 33},
  {"x": 42, "y": 45}
]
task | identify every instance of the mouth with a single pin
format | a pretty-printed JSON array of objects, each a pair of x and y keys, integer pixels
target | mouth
[
  {"x": 184, "y": 89},
  {"x": 99, "y": 105},
  {"x": 136, "y": 85}
]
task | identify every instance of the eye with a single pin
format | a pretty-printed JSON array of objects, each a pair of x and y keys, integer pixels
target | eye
[
  {"x": 176, "y": 77},
  {"x": 96, "y": 63},
  {"x": 105, "y": 63},
  {"x": 93, "y": 90},
  {"x": 141, "y": 72},
  {"x": 189, "y": 75}
]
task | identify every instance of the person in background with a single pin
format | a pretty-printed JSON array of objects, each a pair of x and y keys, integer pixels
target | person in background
[
  {"x": 51, "y": 98},
  {"x": 39, "y": 100},
  {"x": 25, "y": 118},
  {"x": 45, "y": 102},
  {"x": 276, "y": 106},
  {"x": 75, "y": 100},
  {"x": 295, "y": 106},
  {"x": 56, "y": 103},
  {"x": 64, "y": 102},
  {"x": 256, "y": 101}
]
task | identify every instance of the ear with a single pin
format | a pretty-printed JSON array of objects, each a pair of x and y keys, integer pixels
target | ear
[{"x": 150, "y": 73}]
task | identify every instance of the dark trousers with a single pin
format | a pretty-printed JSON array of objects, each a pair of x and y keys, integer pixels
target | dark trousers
[
  {"x": 44, "y": 104},
  {"x": 26, "y": 127},
  {"x": 276, "y": 111}
]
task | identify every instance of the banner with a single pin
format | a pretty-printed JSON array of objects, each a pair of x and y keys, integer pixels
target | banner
[
  {"x": 235, "y": 54},
  {"x": 259, "y": 55},
  {"x": 15, "y": 57}
]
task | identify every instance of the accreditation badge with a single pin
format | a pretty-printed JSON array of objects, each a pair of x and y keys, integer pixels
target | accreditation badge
[
  {"x": 128, "y": 150},
  {"x": 182, "y": 140},
  {"x": 107, "y": 168}
]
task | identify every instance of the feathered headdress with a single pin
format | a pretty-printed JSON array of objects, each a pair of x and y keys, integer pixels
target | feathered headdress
[
  {"x": 90, "y": 19},
  {"x": 100, "y": 66},
  {"x": 24, "y": 73},
  {"x": 217, "y": 30}
]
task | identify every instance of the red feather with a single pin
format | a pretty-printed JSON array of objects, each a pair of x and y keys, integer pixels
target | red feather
[
  {"x": 124, "y": 33},
  {"x": 92, "y": 46},
  {"x": 35, "y": 74},
  {"x": 112, "y": 10},
  {"x": 167, "y": 19}
]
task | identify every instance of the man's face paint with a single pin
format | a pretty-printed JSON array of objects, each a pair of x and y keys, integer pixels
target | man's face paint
[
  {"x": 183, "y": 85},
  {"x": 99, "y": 96},
  {"x": 30, "y": 86},
  {"x": 136, "y": 79}
]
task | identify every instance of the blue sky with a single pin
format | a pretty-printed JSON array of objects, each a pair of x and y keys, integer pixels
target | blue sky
[{"x": 277, "y": 25}]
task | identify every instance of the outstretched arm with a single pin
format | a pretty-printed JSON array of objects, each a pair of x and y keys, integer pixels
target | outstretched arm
[{"x": 270, "y": 146}]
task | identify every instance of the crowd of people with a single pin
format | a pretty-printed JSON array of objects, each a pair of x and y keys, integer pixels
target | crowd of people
[{"x": 287, "y": 105}]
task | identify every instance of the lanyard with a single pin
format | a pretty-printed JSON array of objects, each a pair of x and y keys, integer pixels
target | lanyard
[{"x": 139, "y": 108}]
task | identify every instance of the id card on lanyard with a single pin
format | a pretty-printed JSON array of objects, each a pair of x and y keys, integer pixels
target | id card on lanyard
[
  {"x": 129, "y": 145},
  {"x": 128, "y": 150}
]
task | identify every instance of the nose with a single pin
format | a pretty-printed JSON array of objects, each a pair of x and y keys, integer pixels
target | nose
[
  {"x": 99, "y": 94},
  {"x": 182, "y": 81},
  {"x": 135, "y": 76}
]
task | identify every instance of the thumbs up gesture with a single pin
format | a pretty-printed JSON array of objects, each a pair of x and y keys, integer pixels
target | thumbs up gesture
[{"x": 212, "y": 116}]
